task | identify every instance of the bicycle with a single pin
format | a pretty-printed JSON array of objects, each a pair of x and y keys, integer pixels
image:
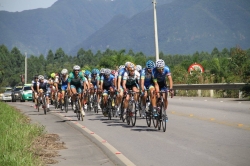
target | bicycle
[
  {"x": 94, "y": 102},
  {"x": 78, "y": 105},
  {"x": 110, "y": 106},
  {"x": 66, "y": 102},
  {"x": 161, "y": 117},
  {"x": 131, "y": 110}
]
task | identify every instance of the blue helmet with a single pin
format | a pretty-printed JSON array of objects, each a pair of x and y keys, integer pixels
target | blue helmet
[
  {"x": 95, "y": 71},
  {"x": 87, "y": 72},
  {"x": 150, "y": 64}
]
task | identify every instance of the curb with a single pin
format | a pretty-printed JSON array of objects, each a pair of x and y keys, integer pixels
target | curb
[{"x": 114, "y": 155}]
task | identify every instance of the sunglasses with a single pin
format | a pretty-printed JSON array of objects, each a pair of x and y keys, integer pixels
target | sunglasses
[
  {"x": 160, "y": 68},
  {"x": 77, "y": 70}
]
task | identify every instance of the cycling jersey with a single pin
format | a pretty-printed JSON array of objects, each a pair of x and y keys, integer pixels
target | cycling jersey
[
  {"x": 131, "y": 80},
  {"x": 63, "y": 83},
  {"x": 147, "y": 77},
  {"x": 107, "y": 82},
  {"x": 76, "y": 80},
  {"x": 94, "y": 80},
  {"x": 161, "y": 78},
  {"x": 43, "y": 85},
  {"x": 34, "y": 85}
]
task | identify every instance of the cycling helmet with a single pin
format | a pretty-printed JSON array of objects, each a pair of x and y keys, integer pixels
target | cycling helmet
[
  {"x": 98, "y": 72},
  {"x": 113, "y": 72},
  {"x": 107, "y": 72},
  {"x": 52, "y": 75},
  {"x": 76, "y": 67},
  {"x": 138, "y": 67},
  {"x": 160, "y": 63},
  {"x": 122, "y": 66},
  {"x": 150, "y": 64},
  {"x": 64, "y": 71},
  {"x": 102, "y": 70},
  {"x": 127, "y": 63},
  {"x": 87, "y": 72},
  {"x": 40, "y": 76},
  {"x": 94, "y": 71}
]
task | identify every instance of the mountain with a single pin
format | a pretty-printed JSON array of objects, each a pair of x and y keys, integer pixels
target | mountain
[
  {"x": 184, "y": 27},
  {"x": 65, "y": 24}
]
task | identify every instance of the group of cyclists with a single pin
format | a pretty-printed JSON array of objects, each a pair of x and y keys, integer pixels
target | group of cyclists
[{"x": 146, "y": 81}]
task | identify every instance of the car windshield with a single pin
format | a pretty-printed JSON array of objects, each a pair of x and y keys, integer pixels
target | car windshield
[
  {"x": 27, "y": 88},
  {"x": 18, "y": 89}
]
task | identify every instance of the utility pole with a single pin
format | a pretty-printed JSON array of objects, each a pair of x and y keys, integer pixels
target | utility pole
[
  {"x": 25, "y": 68},
  {"x": 156, "y": 32}
]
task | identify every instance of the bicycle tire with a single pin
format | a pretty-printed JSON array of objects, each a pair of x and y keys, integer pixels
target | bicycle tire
[
  {"x": 66, "y": 103},
  {"x": 148, "y": 119},
  {"x": 155, "y": 121},
  {"x": 77, "y": 110},
  {"x": 95, "y": 104},
  {"x": 164, "y": 120},
  {"x": 44, "y": 105},
  {"x": 109, "y": 109},
  {"x": 80, "y": 108},
  {"x": 122, "y": 111},
  {"x": 132, "y": 114}
]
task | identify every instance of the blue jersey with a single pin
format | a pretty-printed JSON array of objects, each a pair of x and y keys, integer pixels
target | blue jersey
[
  {"x": 94, "y": 80},
  {"x": 161, "y": 78},
  {"x": 148, "y": 77},
  {"x": 107, "y": 82}
]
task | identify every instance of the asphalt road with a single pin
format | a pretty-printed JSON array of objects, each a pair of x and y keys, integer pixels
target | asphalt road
[{"x": 200, "y": 131}]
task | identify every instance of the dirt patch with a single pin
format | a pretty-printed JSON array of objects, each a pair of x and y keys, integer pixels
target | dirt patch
[{"x": 46, "y": 147}]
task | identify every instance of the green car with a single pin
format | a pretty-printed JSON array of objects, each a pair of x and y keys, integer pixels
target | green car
[{"x": 26, "y": 93}]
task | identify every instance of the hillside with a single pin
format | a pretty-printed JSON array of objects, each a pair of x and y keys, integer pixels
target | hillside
[
  {"x": 184, "y": 27},
  {"x": 65, "y": 24}
]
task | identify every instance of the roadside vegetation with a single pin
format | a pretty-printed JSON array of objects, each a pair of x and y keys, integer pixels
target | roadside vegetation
[
  {"x": 225, "y": 66},
  {"x": 23, "y": 143}
]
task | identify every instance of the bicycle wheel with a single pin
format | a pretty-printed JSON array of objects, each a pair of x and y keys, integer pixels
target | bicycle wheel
[
  {"x": 77, "y": 110},
  {"x": 109, "y": 109},
  {"x": 95, "y": 104},
  {"x": 80, "y": 108},
  {"x": 122, "y": 111},
  {"x": 56, "y": 102},
  {"x": 148, "y": 119},
  {"x": 159, "y": 119},
  {"x": 128, "y": 118},
  {"x": 132, "y": 113},
  {"x": 155, "y": 121},
  {"x": 66, "y": 103},
  {"x": 44, "y": 105},
  {"x": 164, "y": 119}
]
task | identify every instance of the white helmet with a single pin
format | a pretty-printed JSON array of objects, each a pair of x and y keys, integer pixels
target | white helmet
[
  {"x": 41, "y": 77},
  {"x": 102, "y": 70},
  {"x": 120, "y": 67},
  {"x": 76, "y": 67},
  {"x": 64, "y": 71},
  {"x": 107, "y": 72},
  {"x": 127, "y": 63},
  {"x": 160, "y": 63},
  {"x": 138, "y": 67}
]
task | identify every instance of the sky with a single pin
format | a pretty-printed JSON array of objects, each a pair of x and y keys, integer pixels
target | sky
[{"x": 20, "y": 5}]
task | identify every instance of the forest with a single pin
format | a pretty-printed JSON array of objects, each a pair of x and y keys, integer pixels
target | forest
[{"x": 225, "y": 66}]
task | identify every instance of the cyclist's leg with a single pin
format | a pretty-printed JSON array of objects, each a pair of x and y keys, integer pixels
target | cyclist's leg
[
  {"x": 81, "y": 98},
  {"x": 47, "y": 94},
  {"x": 73, "y": 92}
]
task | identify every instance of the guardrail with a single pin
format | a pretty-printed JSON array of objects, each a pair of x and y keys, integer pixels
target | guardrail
[{"x": 211, "y": 87}]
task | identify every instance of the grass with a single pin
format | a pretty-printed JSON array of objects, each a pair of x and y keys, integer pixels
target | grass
[{"x": 16, "y": 138}]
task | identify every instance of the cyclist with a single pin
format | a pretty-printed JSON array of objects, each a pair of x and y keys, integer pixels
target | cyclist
[
  {"x": 76, "y": 84},
  {"x": 122, "y": 70},
  {"x": 94, "y": 84},
  {"x": 130, "y": 82},
  {"x": 34, "y": 89},
  {"x": 107, "y": 84},
  {"x": 147, "y": 85},
  {"x": 43, "y": 87},
  {"x": 160, "y": 73},
  {"x": 64, "y": 85},
  {"x": 54, "y": 85}
]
